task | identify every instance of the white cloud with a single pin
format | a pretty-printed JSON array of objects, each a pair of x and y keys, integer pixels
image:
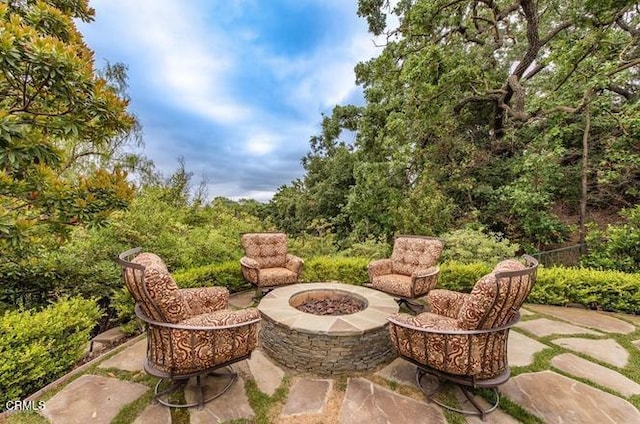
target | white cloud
[
  {"x": 260, "y": 144},
  {"x": 188, "y": 63}
]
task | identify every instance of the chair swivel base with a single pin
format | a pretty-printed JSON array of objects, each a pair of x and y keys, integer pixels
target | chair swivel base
[
  {"x": 163, "y": 396},
  {"x": 464, "y": 386},
  {"x": 414, "y": 307}
]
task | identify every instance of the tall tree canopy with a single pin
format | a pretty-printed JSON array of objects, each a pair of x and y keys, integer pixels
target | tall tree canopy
[
  {"x": 498, "y": 111},
  {"x": 61, "y": 123}
]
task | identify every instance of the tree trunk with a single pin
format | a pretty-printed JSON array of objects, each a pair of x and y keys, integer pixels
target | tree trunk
[{"x": 583, "y": 175}]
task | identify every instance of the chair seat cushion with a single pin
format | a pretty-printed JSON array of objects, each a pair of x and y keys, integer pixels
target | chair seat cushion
[
  {"x": 395, "y": 284},
  {"x": 222, "y": 318},
  {"x": 276, "y": 277}
]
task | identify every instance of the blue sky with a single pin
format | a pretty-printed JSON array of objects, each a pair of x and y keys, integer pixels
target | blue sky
[{"x": 235, "y": 87}]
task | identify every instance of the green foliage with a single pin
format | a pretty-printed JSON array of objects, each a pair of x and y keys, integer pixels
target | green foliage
[
  {"x": 336, "y": 268},
  {"x": 616, "y": 248},
  {"x": 226, "y": 274},
  {"x": 607, "y": 290},
  {"x": 370, "y": 249},
  {"x": 123, "y": 305},
  {"x": 38, "y": 347},
  {"x": 471, "y": 245},
  {"x": 56, "y": 115},
  {"x": 461, "y": 277},
  {"x": 306, "y": 246}
]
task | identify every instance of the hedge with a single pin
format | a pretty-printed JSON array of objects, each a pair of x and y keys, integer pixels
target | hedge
[
  {"x": 606, "y": 290},
  {"x": 38, "y": 347},
  {"x": 323, "y": 268}
]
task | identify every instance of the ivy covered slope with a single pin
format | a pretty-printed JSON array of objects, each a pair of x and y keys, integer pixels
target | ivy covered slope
[{"x": 523, "y": 115}]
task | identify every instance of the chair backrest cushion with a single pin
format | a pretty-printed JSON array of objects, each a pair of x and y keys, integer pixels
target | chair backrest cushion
[
  {"x": 160, "y": 298},
  {"x": 269, "y": 250},
  {"x": 411, "y": 254},
  {"x": 493, "y": 301}
]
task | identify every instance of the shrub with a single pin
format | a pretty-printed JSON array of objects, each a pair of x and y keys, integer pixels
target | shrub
[
  {"x": 308, "y": 246},
  {"x": 370, "y": 249},
  {"x": 227, "y": 274},
  {"x": 336, "y": 268},
  {"x": 474, "y": 245},
  {"x": 123, "y": 304},
  {"x": 607, "y": 290},
  {"x": 617, "y": 248},
  {"x": 461, "y": 277},
  {"x": 38, "y": 347}
]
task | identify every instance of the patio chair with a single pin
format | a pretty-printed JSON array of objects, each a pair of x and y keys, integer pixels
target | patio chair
[
  {"x": 463, "y": 339},
  {"x": 411, "y": 272},
  {"x": 267, "y": 263},
  {"x": 190, "y": 333}
]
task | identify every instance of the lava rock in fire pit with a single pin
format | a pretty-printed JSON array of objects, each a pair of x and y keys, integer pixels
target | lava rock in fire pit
[{"x": 331, "y": 306}]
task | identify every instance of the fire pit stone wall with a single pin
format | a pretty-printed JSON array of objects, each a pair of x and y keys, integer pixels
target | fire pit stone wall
[{"x": 326, "y": 345}]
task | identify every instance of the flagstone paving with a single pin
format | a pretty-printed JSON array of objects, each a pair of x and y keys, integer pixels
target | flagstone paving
[
  {"x": 603, "y": 376},
  {"x": 128, "y": 359},
  {"x": 369, "y": 403},
  {"x": 154, "y": 414},
  {"x": 606, "y": 350},
  {"x": 586, "y": 318},
  {"x": 575, "y": 389},
  {"x": 558, "y": 399},
  {"x": 545, "y": 327},
  {"x": 307, "y": 396},
  {"x": 91, "y": 398}
]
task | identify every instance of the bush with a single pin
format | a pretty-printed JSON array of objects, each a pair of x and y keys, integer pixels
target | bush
[
  {"x": 336, "y": 268},
  {"x": 617, "y": 248},
  {"x": 370, "y": 249},
  {"x": 606, "y": 290},
  {"x": 38, "y": 347},
  {"x": 461, "y": 277},
  {"x": 474, "y": 245},
  {"x": 227, "y": 274}
]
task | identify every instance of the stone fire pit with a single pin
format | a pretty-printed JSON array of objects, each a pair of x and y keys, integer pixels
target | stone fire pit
[{"x": 326, "y": 345}]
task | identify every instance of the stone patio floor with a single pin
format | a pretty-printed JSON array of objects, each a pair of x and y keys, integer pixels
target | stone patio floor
[{"x": 583, "y": 384}]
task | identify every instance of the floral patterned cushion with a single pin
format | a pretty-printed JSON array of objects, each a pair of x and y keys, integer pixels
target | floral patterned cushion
[
  {"x": 411, "y": 254},
  {"x": 394, "y": 284},
  {"x": 266, "y": 262},
  {"x": 165, "y": 295},
  {"x": 269, "y": 250},
  {"x": 180, "y": 352}
]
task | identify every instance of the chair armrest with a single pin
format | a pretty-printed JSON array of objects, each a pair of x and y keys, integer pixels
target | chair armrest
[
  {"x": 219, "y": 320},
  {"x": 250, "y": 269},
  {"x": 436, "y": 324},
  {"x": 294, "y": 264},
  {"x": 446, "y": 302},
  {"x": 249, "y": 263},
  {"x": 205, "y": 300},
  {"x": 424, "y": 281},
  {"x": 379, "y": 267}
]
